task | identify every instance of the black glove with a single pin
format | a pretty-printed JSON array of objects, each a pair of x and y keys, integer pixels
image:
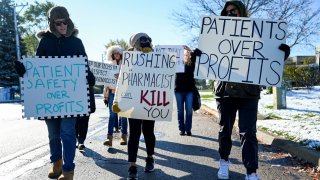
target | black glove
[
  {"x": 106, "y": 102},
  {"x": 196, "y": 52},
  {"x": 286, "y": 49},
  {"x": 19, "y": 67}
]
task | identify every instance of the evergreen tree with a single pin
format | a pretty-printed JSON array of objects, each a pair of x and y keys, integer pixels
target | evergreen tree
[{"x": 8, "y": 75}]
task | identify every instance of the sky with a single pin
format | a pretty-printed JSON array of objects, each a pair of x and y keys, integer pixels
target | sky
[
  {"x": 100, "y": 21},
  {"x": 300, "y": 121}
]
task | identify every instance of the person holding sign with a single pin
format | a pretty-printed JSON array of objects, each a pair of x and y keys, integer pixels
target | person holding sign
[
  {"x": 82, "y": 123},
  {"x": 232, "y": 97},
  {"x": 139, "y": 42},
  {"x": 114, "y": 54},
  {"x": 60, "y": 40},
  {"x": 184, "y": 87}
]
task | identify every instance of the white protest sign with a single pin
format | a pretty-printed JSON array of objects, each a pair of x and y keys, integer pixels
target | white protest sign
[
  {"x": 53, "y": 87},
  {"x": 241, "y": 50},
  {"x": 146, "y": 85},
  {"x": 104, "y": 73},
  {"x": 178, "y": 49}
]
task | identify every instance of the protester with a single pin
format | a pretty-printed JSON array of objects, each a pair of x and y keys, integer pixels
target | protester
[
  {"x": 139, "y": 42},
  {"x": 184, "y": 87},
  {"x": 60, "y": 40},
  {"x": 114, "y": 54},
  {"x": 233, "y": 97},
  {"x": 82, "y": 123}
]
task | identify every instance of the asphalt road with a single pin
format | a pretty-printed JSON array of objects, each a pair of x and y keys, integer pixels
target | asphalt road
[{"x": 177, "y": 157}]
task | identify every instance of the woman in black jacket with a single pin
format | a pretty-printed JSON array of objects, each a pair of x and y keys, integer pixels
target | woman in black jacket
[{"x": 184, "y": 87}]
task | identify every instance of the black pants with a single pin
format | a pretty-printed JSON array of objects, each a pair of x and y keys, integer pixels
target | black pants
[
  {"x": 82, "y": 128},
  {"x": 135, "y": 127},
  {"x": 247, "y": 114}
]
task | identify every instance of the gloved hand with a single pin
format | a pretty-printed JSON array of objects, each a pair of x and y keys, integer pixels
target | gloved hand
[
  {"x": 19, "y": 67},
  {"x": 197, "y": 52},
  {"x": 106, "y": 102},
  {"x": 286, "y": 49},
  {"x": 115, "y": 107}
]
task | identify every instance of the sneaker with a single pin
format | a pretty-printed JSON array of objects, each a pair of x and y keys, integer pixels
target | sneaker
[
  {"x": 149, "y": 164},
  {"x": 132, "y": 172},
  {"x": 252, "y": 176},
  {"x": 182, "y": 133},
  {"x": 81, "y": 147},
  {"x": 223, "y": 172}
]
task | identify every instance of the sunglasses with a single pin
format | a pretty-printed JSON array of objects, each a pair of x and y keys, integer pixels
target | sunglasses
[
  {"x": 59, "y": 23},
  {"x": 232, "y": 11},
  {"x": 145, "y": 39}
]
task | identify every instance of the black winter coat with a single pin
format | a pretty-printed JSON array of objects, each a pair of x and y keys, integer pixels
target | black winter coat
[
  {"x": 185, "y": 82},
  {"x": 236, "y": 90},
  {"x": 51, "y": 45}
]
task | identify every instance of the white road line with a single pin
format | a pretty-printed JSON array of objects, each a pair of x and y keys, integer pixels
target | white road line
[{"x": 21, "y": 162}]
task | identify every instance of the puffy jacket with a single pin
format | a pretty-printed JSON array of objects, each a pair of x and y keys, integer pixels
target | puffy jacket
[{"x": 51, "y": 45}]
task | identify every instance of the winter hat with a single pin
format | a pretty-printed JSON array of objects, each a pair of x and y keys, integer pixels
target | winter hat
[
  {"x": 112, "y": 50},
  {"x": 59, "y": 12},
  {"x": 135, "y": 37},
  {"x": 240, "y": 6}
]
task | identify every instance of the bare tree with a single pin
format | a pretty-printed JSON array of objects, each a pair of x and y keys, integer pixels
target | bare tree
[{"x": 302, "y": 18}]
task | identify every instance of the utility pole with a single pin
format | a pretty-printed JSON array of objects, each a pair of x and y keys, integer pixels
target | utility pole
[
  {"x": 16, "y": 28},
  {"x": 17, "y": 34}
]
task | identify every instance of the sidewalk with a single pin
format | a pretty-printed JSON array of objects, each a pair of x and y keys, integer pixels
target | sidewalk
[
  {"x": 176, "y": 157},
  {"x": 296, "y": 149}
]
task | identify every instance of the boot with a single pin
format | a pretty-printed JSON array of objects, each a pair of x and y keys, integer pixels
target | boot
[
  {"x": 66, "y": 175},
  {"x": 55, "y": 170},
  {"x": 108, "y": 142},
  {"x": 123, "y": 140}
]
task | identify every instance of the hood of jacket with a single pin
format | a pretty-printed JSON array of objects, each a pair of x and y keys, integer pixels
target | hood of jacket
[
  {"x": 112, "y": 50},
  {"x": 240, "y": 6}
]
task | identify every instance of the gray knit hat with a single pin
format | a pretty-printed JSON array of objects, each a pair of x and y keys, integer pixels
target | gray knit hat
[
  {"x": 59, "y": 12},
  {"x": 135, "y": 37}
]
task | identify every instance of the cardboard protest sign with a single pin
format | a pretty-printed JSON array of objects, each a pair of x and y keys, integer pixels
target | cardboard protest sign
[
  {"x": 53, "y": 87},
  {"x": 178, "y": 49},
  {"x": 146, "y": 85},
  {"x": 241, "y": 50},
  {"x": 104, "y": 73}
]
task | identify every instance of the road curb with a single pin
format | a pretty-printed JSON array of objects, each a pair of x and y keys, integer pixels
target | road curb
[{"x": 296, "y": 149}]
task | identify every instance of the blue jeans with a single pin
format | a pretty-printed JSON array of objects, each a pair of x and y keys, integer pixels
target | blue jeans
[
  {"x": 62, "y": 130},
  {"x": 184, "y": 103},
  {"x": 113, "y": 116}
]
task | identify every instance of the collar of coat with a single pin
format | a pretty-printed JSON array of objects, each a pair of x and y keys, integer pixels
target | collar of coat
[{"x": 43, "y": 33}]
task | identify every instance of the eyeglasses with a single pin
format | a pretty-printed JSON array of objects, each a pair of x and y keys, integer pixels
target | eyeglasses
[{"x": 59, "y": 23}]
